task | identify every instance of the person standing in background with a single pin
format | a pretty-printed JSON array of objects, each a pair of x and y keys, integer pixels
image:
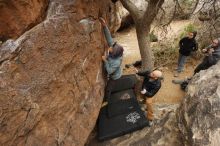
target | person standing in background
[{"x": 187, "y": 45}]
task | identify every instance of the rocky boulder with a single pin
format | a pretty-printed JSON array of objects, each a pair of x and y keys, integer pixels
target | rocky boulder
[
  {"x": 199, "y": 113},
  {"x": 51, "y": 82},
  {"x": 17, "y": 17}
]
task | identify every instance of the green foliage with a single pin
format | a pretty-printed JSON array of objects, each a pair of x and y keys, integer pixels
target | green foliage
[
  {"x": 188, "y": 2},
  {"x": 167, "y": 55},
  {"x": 153, "y": 37},
  {"x": 188, "y": 28}
]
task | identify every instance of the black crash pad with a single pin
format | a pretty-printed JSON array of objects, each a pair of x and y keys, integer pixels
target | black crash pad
[
  {"x": 122, "y": 95},
  {"x": 121, "y": 107},
  {"x": 122, "y": 114},
  {"x": 124, "y": 83},
  {"x": 119, "y": 125},
  {"x": 121, "y": 102}
]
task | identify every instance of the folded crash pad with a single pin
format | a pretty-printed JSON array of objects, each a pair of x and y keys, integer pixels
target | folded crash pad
[
  {"x": 121, "y": 124},
  {"x": 124, "y": 83},
  {"x": 122, "y": 106},
  {"x": 122, "y": 95},
  {"x": 122, "y": 114}
]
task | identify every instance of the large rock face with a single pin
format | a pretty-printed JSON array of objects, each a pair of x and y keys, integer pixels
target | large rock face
[
  {"x": 199, "y": 114},
  {"x": 18, "y": 16},
  {"x": 51, "y": 83}
]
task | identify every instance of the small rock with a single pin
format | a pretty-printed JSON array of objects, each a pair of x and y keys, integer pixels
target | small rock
[{"x": 88, "y": 25}]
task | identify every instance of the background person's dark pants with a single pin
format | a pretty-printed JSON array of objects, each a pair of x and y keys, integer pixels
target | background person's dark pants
[
  {"x": 201, "y": 66},
  {"x": 206, "y": 63}
]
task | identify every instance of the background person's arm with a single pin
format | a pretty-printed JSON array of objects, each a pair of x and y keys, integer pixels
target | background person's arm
[
  {"x": 181, "y": 42},
  {"x": 195, "y": 47},
  {"x": 143, "y": 73},
  {"x": 153, "y": 91}
]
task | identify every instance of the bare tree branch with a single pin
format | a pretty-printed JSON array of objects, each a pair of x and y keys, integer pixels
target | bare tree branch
[
  {"x": 151, "y": 11},
  {"x": 133, "y": 10},
  {"x": 178, "y": 5},
  {"x": 173, "y": 15},
  {"x": 204, "y": 3},
  {"x": 195, "y": 6},
  {"x": 215, "y": 9}
]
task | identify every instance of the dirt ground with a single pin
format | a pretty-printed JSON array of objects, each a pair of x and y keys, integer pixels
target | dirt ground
[{"x": 169, "y": 92}]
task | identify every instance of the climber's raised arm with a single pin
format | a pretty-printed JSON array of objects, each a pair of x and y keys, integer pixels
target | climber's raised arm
[{"x": 107, "y": 33}]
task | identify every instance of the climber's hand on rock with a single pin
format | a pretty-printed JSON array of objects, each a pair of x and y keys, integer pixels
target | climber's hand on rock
[{"x": 102, "y": 21}]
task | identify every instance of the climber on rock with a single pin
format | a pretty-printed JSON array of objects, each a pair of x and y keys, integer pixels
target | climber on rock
[
  {"x": 150, "y": 86},
  {"x": 112, "y": 60}
]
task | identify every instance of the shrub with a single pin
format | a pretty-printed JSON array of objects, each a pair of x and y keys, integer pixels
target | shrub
[
  {"x": 153, "y": 37},
  {"x": 188, "y": 28},
  {"x": 167, "y": 55}
]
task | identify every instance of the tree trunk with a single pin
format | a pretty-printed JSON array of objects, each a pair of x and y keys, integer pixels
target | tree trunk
[
  {"x": 144, "y": 47},
  {"x": 143, "y": 21}
]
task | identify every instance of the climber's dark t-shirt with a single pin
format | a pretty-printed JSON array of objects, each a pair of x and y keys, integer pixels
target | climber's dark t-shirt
[{"x": 152, "y": 86}]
